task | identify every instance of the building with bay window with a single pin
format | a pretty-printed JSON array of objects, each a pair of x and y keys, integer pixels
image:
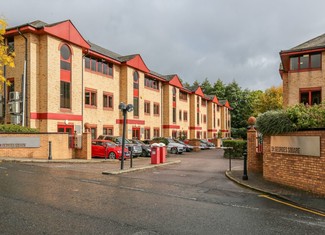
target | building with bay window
[{"x": 302, "y": 73}]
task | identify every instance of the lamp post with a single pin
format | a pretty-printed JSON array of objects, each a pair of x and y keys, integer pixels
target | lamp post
[{"x": 124, "y": 108}]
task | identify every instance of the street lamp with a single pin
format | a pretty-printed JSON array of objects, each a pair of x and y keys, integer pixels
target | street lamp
[{"x": 124, "y": 108}]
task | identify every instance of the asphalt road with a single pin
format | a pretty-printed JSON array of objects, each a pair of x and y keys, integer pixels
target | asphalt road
[{"x": 193, "y": 197}]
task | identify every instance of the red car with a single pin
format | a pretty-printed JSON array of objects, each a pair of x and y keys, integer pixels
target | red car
[{"x": 107, "y": 149}]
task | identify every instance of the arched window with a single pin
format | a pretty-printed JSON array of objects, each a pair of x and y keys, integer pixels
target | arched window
[
  {"x": 65, "y": 77},
  {"x": 135, "y": 94},
  {"x": 136, "y": 80}
]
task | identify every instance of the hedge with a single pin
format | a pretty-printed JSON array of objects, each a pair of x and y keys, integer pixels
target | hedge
[
  {"x": 10, "y": 128},
  {"x": 238, "y": 147}
]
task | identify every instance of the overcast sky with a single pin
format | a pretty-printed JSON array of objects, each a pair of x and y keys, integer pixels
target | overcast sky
[{"x": 228, "y": 39}]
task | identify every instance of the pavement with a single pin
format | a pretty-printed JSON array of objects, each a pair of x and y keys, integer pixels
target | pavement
[
  {"x": 286, "y": 194},
  {"x": 255, "y": 181}
]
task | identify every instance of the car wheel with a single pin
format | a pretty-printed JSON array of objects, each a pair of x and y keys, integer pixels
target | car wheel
[
  {"x": 174, "y": 150},
  {"x": 111, "y": 155},
  {"x": 144, "y": 153}
]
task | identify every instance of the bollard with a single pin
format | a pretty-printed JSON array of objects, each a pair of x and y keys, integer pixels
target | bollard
[
  {"x": 245, "y": 176},
  {"x": 131, "y": 159},
  {"x": 50, "y": 150}
]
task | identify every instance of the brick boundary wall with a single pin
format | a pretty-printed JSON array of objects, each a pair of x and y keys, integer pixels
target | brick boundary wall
[
  {"x": 302, "y": 172},
  {"x": 59, "y": 145},
  {"x": 254, "y": 160}
]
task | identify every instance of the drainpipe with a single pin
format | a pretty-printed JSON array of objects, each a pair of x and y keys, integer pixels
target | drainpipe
[
  {"x": 161, "y": 109},
  {"x": 24, "y": 88},
  {"x": 4, "y": 104},
  {"x": 82, "y": 87}
]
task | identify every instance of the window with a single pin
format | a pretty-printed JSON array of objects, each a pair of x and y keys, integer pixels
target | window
[
  {"x": 310, "y": 97},
  {"x": 205, "y": 118},
  {"x": 185, "y": 116},
  {"x": 156, "y": 109},
  {"x": 65, "y": 95},
  {"x": 93, "y": 131},
  {"x": 108, "y": 130},
  {"x": 183, "y": 95},
  {"x": 147, "y": 133},
  {"x": 91, "y": 98},
  {"x": 135, "y": 80},
  {"x": 306, "y": 61},
  {"x": 203, "y": 102},
  {"x": 174, "y": 115},
  {"x": 174, "y": 134},
  {"x": 174, "y": 94},
  {"x": 180, "y": 115},
  {"x": 136, "y": 106},
  {"x": 198, "y": 102},
  {"x": 108, "y": 100},
  {"x": 99, "y": 66},
  {"x": 155, "y": 132},
  {"x": 11, "y": 45},
  {"x": 65, "y": 77},
  {"x": 198, "y": 118},
  {"x": 147, "y": 107},
  {"x": 151, "y": 83},
  {"x": 87, "y": 62},
  {"x": 219, "y": 122}
]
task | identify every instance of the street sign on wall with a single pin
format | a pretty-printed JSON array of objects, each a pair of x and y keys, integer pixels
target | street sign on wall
[
  {"x": 19, "y": 142},
  {"x": 297, "y": 145}
]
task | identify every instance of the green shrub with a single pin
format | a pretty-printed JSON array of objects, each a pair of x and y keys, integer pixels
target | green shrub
[
  {"x": 238, "y": 147},
  {"x": 274, "y": 122},
  {"x": 307, "y": 116},
  {"x": 10, "y": 128},
  {"x": 239, "y": 133}
]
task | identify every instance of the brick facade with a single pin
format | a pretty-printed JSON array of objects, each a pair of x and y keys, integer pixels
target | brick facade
[
  {"x": 44, "y": 74},
  {"x": 302, "y": 172}
]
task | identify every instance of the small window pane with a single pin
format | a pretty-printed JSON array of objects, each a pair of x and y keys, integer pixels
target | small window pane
[
  {"x": 304, "y": 62},
  {"x": 87, "y": 62},
  {"x": 315, "y": 61},
  {"x": 65, "y": 52},
  {"x": 293, "y": 63},
  {"x": 315, "y": 97},
  {"x": 93, "y": 64}
]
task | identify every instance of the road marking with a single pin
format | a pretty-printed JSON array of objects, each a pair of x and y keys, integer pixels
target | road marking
[
  {"x": 130, "y": 188},
  {"x": 294, "y": 206},
  {"x": 5, "y": 168}
]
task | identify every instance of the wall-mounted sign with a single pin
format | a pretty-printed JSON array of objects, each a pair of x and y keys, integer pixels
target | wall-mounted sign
[
  {"x": 19, "y": 142},
  {"x": 298, "y": 145}
]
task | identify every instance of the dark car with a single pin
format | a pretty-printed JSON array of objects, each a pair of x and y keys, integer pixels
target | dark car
[
  {"x": 107, "y": 149},
  {"x": 135, "y": 148},
  {"x": 146, "y": 149}
]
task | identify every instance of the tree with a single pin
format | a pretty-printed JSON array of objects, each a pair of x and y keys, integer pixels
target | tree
[
  {"x": 218, "y": 89},
  {"x": 6, "y": 59},
  {"x": 271, "y": 99},
  {"x": 206, "y": 87}
]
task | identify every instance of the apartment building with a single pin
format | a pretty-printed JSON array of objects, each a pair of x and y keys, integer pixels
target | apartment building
[
  {"x": 68, "y": 83},
  {"x": 302, "y": 73}
]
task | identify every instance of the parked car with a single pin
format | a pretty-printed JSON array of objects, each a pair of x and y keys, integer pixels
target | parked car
[
  {"x": 203, "y": 146},
  {"x": 135, "y": 148},
  {"x": 188, "y": 148},
  {"x": 146, "y": 149},
  {"x": 209, "y": 144},
  {"x": 107, "y": 149},
  {"x": 172, "y": 146}
]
